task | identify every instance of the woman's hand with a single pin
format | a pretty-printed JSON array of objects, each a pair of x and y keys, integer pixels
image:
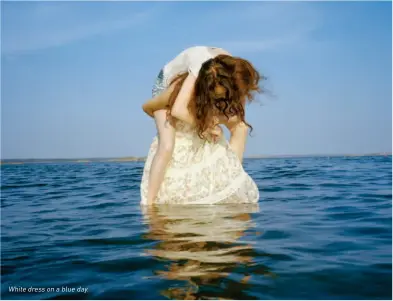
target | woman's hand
[
  {"x": 238, "y": 138},
  {"x": 231, "y": 123},
  {"x": 216, "y": 133}
]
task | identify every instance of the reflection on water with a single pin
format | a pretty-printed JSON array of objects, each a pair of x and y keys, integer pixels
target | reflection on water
[
  {"x": 324, "y": 228},
  {"x": 209, "y": 248}
]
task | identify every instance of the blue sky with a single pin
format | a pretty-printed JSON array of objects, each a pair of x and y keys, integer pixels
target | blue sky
[{"x": 75, "y": 74}]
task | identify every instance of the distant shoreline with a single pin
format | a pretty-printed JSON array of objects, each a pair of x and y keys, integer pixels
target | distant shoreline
[{"x": 142, "y": 159}]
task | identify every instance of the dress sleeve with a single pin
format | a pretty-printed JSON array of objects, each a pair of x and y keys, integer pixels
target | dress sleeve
[
  {"x": 218, "y": 51},
  {"x": 196, "y": 58}
]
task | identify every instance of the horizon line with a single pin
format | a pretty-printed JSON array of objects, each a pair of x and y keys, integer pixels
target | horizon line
[{"x": 245, "y": 157}]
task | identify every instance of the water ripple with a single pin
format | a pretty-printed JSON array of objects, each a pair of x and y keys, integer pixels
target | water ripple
[{"x": 322, "y": 230}]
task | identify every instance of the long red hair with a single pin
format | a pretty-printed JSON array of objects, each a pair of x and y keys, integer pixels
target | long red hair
[{"x": 223, "y": 85}]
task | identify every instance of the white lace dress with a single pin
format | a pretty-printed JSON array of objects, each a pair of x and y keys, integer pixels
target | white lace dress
[{"x": 200, "y": 172}]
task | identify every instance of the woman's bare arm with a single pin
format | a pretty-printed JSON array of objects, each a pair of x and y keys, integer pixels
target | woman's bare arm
[
  {"x": 238, "y": 139},
  {"x": 239, "y": 132},
  {"x": 156, "y": 103},
  {"x": 180, "y": 107}
]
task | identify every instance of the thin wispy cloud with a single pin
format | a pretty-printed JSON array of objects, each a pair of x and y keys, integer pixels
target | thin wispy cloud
[{"x": 45, "y": 25}]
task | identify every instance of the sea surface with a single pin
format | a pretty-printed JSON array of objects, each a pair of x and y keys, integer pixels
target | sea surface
[{"x": 322, "y": 230}]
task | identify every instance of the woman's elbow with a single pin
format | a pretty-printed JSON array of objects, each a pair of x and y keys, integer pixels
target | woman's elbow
[
  {"x": 146, "y": 109},
  {"x": 177, "y": 113}
]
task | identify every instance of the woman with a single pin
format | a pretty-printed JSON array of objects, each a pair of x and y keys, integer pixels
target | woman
[
  {"x": 189, "y": 60},
  {"x": 203, "y": 172}
]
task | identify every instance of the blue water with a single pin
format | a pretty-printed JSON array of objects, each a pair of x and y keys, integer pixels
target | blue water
[{"x": 322, "y": 230}]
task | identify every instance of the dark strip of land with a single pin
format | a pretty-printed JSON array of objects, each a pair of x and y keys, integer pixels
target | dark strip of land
[{"x": 141, "y": 159}]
